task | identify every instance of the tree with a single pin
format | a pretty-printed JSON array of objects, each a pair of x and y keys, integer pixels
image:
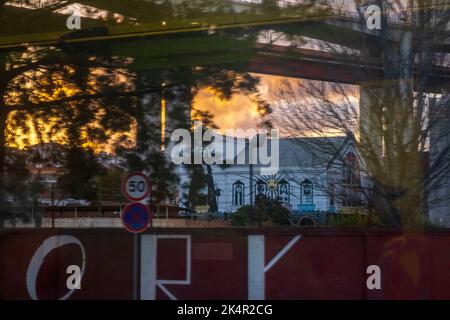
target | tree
[
  {"x": 80, "y": 179},
  {"x": 69, "y": 95},
  {"x": 225, "y": 83},
  {"x": 108, "y": 187},
  {"x": 77, "y": 92},
  {"x": 403, "y": 103},
  {"x": 264, "y": 212}
]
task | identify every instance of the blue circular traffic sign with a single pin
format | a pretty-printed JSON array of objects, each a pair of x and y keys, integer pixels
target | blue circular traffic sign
[{"x": 136, "y": 217}]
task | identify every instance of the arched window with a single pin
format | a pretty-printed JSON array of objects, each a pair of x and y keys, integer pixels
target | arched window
[
  {"x": 238, "y": 193},
  {"x": 350, "y": 170},
  {"x": 284, "y": 191},
  {"x": 261, "y": 189},
  {"x": 307, "y": 190},
  {"x": 351, "y": 181}
]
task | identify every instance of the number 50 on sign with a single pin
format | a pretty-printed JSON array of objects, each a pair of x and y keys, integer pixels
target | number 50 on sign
[{"x": 135, "y": 186}]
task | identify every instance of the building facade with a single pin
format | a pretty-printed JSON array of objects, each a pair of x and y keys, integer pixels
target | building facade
[{"x": 314, "y": 175}]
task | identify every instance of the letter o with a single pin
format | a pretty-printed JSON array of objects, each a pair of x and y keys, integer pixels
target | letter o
[{"x": 45, "y": 248}]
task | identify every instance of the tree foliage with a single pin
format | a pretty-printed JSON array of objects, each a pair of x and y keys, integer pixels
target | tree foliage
[{"x": 263, "y": 212}]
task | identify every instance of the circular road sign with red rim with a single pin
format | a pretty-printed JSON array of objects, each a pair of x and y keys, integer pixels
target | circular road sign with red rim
[
  {"x": 135, "y": 186},
  {"x": 136, "y": 217}
]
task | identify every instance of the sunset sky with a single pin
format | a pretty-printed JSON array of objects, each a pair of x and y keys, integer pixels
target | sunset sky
[{"x": 239, "y": 112}]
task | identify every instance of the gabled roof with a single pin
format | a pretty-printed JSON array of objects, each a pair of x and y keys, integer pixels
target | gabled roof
[
  {"x": 299, "y": 152},
  {"x": 309, "y": 151}
]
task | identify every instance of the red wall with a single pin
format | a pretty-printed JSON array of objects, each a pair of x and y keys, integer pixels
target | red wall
[{"x": 323, "y": 264}]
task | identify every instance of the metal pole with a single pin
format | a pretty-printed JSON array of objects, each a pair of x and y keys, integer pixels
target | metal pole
[
  {"x": 136, "y": 248},
  {"x": 251, "y": 185},
  {"x": 250, "y": 152},
  {"x": 53, "y": 208}
]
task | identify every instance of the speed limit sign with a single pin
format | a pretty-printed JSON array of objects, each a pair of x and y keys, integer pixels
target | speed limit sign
[{"x": 135, "y": 186}]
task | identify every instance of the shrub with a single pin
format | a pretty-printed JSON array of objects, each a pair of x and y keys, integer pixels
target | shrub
[{"x": 264, "y": 212}]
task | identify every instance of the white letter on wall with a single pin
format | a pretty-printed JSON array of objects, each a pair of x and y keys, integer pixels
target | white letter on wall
[{"x": 374, "y": 280}]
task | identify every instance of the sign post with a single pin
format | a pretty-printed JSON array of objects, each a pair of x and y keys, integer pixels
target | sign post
[
  {"x": 136, "y": 217},
  {"x": 136, "y": 262}
]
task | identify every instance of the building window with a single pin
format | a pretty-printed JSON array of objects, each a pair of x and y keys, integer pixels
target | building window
[
  {"x": 351, "y": 182},
  {"x": 332, "y": 194},
  {"x": 261, "y": 189},
  {"x": 306, "y": 196},
  {"x": 238, "y": 193},
  {"x": 284, "y": 191}
]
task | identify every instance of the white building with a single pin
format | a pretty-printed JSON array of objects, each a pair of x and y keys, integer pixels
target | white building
[{"x": 315, "y": 174}]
